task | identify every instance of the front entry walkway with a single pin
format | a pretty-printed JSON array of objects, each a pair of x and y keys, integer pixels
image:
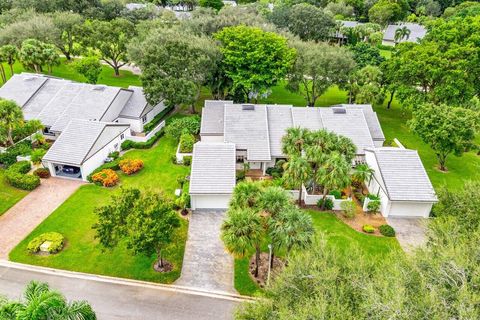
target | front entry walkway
[
  {"x": 410, "y": 232},
  {"x": 206, "y": 264},
  {"x": 25, "y": 215}
]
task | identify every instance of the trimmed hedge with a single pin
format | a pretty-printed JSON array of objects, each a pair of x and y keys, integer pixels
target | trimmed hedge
[
  {"x": 9, "y": 157},
  {"x": 156, "y": 120},
  {"x": 129, "y": 144},
  {"x": 328, "y": 203},
  {"x": 387, "y": 230},
  {"x": 42, "y": 173},
  {"x": 57, "y": 241},
  {"x": 16, "y": 175}
]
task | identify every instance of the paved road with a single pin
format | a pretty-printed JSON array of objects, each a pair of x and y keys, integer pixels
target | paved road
[
  {"x": 25, "y": 215},
  {"x": 112, "y": 301},
  {"x": 206, "y": 264}
]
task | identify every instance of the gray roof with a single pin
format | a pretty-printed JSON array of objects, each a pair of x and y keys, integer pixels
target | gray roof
[
  {"x": 213, "y": 116},
  {"x": 417, "y": 32},
  {"x": 279, "y": 120},
  {"x": 403, "y": 174},
  {"x": 213, "y": 168},
  {"x": 56, "y": 101},
  {"x": 81, "y": 139},
  {"x": 248, "y": 130},
  {"x": 372, "y": 119},
  {"x": 307, "y": 118}
]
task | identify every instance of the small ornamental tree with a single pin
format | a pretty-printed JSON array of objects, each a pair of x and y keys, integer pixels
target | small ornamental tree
[
  {"x": 89, "y": 67},
  {"x": 445, "y": 129}
]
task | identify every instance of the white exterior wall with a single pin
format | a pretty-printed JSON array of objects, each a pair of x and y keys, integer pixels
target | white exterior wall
[
  {"x": 135, "y": 124},
  {"x": 388, "y": 43},
  {"x": 210, "y": 201},
  {"x": 205, "y": 138},
  {"x": 410, "y": 209},
  {"x": 156, "y": 110},
  {"x": 378, "y": 143}
]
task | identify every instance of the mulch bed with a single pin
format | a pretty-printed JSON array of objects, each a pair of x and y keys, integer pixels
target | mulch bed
[
  {"x": 261, "y": 280},
  {"x": 167, "y": 266},
  {"x": 361, "y": 219}
]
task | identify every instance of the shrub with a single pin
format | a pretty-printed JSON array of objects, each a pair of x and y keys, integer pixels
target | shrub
[
  {"x": 106, "y": 178},
  {"x": 387, "y": 230},
  {"x": 328, "y": 203},
  {"x": 189, "y": 125},
  {"x": 130, "y": 166},
  {"x": 337, "y": 194},
  {"x": 42, "y": 173},
  {"x": 129, "y": 144},
  {"x": 114, "y": 155},
  {"x": 187, "y": 141},
  {"x": 348, "y": 208},
  {"x": 373, "y": 197},
  {"x": 57, "y": 241},
  {"x": 360, "y": 197},
  {"x": 109, "y": 165},
  {"x": 373, "y": 206},
  {"x": 37, "y": 155},
  {"x": 9, "y": 157},
  {"x": 368, "y": 228},
  {"x": 174, "y": 159},
  {"x": 240, "y": 175},
  {"x": 187, "y": 160},
  {"x": 16, "y": 175},
  {"x": 156, "y": 120}
]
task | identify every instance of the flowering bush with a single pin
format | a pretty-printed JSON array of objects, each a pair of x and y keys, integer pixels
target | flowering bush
[
  {"x": 130, "y": 166},
  {"x": 106, "y": 177}
]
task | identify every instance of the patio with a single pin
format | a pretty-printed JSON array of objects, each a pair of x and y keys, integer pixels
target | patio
[{"x": 256, "y": 174}]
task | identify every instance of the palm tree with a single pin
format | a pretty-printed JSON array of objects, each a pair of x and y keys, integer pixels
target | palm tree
[
  {"x": 297, "y": 171},
  {"x": 245, "y": 195},
  {"x": 402, "y": 33},
  {"x": 362, "y": 173},
  {"x": 346, "y": 147},
  {"x": 11, "y": 116},
  {"x": 273, "y": 199},
  {"x": 242, "y": 231},
  {"x": 334, "y": 174},
  {"x": 42, "y": 303},
  {"x": 294, "y": 141}
]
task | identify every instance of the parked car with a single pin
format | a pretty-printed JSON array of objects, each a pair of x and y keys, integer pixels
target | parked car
[{"x": 70, "y": 170}]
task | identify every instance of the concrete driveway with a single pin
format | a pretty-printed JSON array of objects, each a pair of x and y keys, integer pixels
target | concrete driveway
[
  {"x": 206, "y": 264},
  {"x": 25, "y": 215},
  {"x": 410, "y": 232}
]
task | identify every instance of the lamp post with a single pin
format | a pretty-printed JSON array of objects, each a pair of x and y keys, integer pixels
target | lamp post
[{"x": 269, "y": 262}]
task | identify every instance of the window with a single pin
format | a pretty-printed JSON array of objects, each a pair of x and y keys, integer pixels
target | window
[
  {"x": 144, "y": 119},
  {"x": 115, "y": 146},
  {"x": 122, "y": 136},
  {"x": 240, "y": 158}
]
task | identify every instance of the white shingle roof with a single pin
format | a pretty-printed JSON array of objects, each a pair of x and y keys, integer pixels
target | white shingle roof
[
  {"x": 417, "y": 32},
  {"x": 21, "y": 87},
  {"x": 213, "y": 116},
  {"x": 213, "y": 168},
  {"x": 136, "y": 105},
  {"x": 403, "y": 174},
  {"x": 372, "y": 119},
  {"x": 248, "y": 130},
  {"x": 279, "y": 120},
  {"x": 81, "y": 139}
]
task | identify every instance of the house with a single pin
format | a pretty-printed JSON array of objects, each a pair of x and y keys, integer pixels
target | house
[
  {"x": 417, "y": 32},
  {"x": 83, "y": 146},
  {"x": 58, "y": 102},
  {"x": 401, "y": 182},
  {"x": 344, "y": 24}
]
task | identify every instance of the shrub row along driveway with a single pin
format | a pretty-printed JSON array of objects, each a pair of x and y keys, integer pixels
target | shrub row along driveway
[{"x": 24, "y": 216}]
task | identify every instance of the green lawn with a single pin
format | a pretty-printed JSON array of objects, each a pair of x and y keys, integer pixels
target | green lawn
[
  {"x": 8, "y": 194},
  {"x": 65, "y": 70},
  {"x": 337, "y": 234},
  {"x": 75, "y": 217}
]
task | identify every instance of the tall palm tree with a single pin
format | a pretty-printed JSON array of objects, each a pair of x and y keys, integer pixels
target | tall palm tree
[
  {"x": 273, "y": 200},
  {"x": 346, "y": 147},
  {"x": 402, "y": 33},
  {"x": 294, "y": 141},
  {"x": 334, "y": 174},
  {"x": 242, "y": 231},
  {"x": 42, "y": 303},
  {"x": 245, "y": 195},
  {"x": 297, "y": 171},
  {"x": 362, "y": 173},
  {"x": 11, "y": 116}
]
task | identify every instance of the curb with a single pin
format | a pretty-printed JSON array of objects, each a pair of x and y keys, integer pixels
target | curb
[{"x": 128, "y": 282}]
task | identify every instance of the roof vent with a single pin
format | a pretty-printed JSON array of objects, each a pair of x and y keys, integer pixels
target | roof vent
[
  {"x": 29, "y": 78},
  {"x": 248, "y": 107},
  {"x": 337, "y": 110},
  {"x": 99, "y": 88}
]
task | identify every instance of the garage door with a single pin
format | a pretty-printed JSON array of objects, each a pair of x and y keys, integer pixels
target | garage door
[
  {"x": 214, "y": 201},
  {"x": 410, "y": 209}
]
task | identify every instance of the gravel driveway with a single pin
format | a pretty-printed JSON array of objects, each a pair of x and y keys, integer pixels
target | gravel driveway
[
  {"x": 206, "y": 264},
  {"x": 25, "y": 215}
]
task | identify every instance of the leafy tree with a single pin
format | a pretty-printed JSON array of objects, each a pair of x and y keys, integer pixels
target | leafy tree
[
  {"x": 334, "y": 174},
  {"x": 365, "y": 54},
  {"x": 178, "y": 126},
  {"x": 42, "y": 303},
  {"x": 68, "y": 25},
  {"x": 29, "y": 26},
  {"x": 242, "y": 232},
  {"x": 9, "y": 53},
  {"x": 89, "y": 67},
  {"x": 51, "y": 57},
  {"x": 387, "y": 11},
  {"x": 317, "y": 67},
  {"x": 445, "y": 129},
  {"x": 255, "y": 60},
  {"x": 145, "y": 220},
  {"x": 297, "y": 171},
  {"x": 31, "y": 54},
  {"x": 110, "y": 39},
  {"x": 175, "y": 65},
  {"x": 365, "y": 87},
  {"x": 245, "y": 195},
  {"x": 402, "y": 33},
  {"x": 309, "y": 22},
  {"x": 339, "y": 9},
  {"x": 214, "y": 4},
  {"x": 11, "y": 117}
]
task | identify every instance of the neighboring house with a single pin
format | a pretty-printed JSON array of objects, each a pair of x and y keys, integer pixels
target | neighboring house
[
  {"x": 232, "y": 3},
  {"x": 83, "y": 146},
  {"x": 213, "y": 175},
  {"x": 57, "y": 102},
  {"x": 417, "y": 32},
  {"x": 401, "y": 182},
  {"x": 345, "y": 24}
]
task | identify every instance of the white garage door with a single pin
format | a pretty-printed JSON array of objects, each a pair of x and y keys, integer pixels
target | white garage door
[
  {"x": 213, "y": 201},
  {"x": 410, "y": 209}
]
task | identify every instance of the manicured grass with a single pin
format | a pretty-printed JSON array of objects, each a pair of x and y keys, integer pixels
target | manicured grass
[
  {"x": 337, "y": 234},
  {"x": 8, "y": 194},
  {"x": 75, "y": 217},
  {"x": 65, "y": 70}
]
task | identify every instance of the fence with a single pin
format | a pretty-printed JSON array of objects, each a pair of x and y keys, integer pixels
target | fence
[{"x": 149, "y": 135}]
